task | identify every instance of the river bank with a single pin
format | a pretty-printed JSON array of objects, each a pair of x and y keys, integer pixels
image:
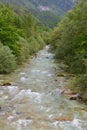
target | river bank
[{"x": 34, "y": 99}]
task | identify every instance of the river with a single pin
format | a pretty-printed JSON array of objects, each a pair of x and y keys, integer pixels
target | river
[{"x": 34, "y": 100}]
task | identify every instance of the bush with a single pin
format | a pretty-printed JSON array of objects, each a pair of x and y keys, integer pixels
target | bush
[
  {"x": 24, "y": 51},
  {"x": 79, "y": 84},
  {"x": 41, "y": 42},
  {"x": 7, "y": 60},
  {"x": 75, "y": 64},
  {"x": 35, "y": 44}
]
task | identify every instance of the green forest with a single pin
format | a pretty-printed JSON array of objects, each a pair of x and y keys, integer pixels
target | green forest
[
  {"x": 21, "y": 35},
  {"x": 69, "y": 43},
  {"x": 57, "y": 9}
]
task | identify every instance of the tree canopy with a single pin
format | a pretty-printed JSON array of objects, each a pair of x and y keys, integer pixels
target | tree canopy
[
  {"x": 69, "y": 41},
  {"x": 17, "y": 28}
]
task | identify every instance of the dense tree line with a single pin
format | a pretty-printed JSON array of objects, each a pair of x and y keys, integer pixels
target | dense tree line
[
  {"x": 69, "y": 42},
  {"x": 21, "y": 35}
]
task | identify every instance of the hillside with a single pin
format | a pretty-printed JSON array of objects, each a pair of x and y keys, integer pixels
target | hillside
[
  {"x": 45, "y": 10},
  {"x": 69, "y": 43},
  {"x": 21, "y": 35}
]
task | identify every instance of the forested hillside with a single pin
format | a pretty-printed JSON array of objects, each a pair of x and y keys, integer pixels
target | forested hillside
[
  {"x": 69, "y": 42},
  {"x": 47, "y": 11},
  {"x": 21, "y": 35}
]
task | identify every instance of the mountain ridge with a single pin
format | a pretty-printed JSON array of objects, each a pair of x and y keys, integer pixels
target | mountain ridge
[{"x": 45, "y": 10}]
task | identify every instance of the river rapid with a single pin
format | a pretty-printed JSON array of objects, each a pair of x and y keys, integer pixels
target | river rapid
[{"x": 34, "y": 100}]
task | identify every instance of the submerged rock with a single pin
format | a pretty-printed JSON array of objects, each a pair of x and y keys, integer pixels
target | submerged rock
[
  {"x": 47, "y": 57},
  {"x": 4, "y": 83},
  {"x": 71, "y": 95},
  {"x": 66, "y": 118},
  {"x": 18, "y": 113}
]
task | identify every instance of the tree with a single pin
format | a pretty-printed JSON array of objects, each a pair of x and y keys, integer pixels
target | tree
[{"x": 7, "y": 60}]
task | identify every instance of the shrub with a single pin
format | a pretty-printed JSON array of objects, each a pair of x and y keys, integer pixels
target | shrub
[
  {"x": 40, "y": 42},
  {"x": 79, "y": 84},
  {"x": 35, "y": 44},
  {"x": 24, "y": 51},
  {"x": 7, "y": 60},
  {"x": 75, "y": 64}
]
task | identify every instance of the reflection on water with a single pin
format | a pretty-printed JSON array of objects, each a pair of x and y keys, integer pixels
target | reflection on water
[{"x": 34, "y": 101}]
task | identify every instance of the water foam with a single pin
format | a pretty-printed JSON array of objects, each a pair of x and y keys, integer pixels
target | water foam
[
  {"x": 13, "y": 90},
  {"x": 34, "y": 96},
  {"x": 22, "y": 124}
]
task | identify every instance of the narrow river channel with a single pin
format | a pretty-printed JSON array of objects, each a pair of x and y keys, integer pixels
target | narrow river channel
[{"x": 34, "y": 100}]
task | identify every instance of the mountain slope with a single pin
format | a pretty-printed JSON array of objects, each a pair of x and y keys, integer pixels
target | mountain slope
[{"x": 45, "y": 10}]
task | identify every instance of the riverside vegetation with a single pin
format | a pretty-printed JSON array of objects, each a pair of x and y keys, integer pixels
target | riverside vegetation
[
  {"x": 69, "y": 43},
  {"x": 21, "y": 35}
]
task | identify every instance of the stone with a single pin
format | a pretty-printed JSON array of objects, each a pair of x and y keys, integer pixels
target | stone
[
  {"x": 55, "y": 80},
  {"x": 4, "y": 83},
  {"x": 60, "y": 75},
  {"x": 18, "y": 113},
  {"x": 76, "y": 97},
  {"x": 47, "y": 57},
  {"x": 66, "y": 118},
  {"x": 68, "y": 92}
]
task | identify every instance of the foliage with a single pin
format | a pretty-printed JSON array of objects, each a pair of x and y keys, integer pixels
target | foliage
[
  {"x": 58, "y": 8},
  {"x": 7, "y": 60},
  {"x": 69, "y": 40},
  {"x": 79, "y": 84},
  {"x": 20, "y": 34},
  {"x": 8, "y": 31},
  {"x": 69, "y": 43},
  {"x": 47, "y": 36},
  {"x": 24, "y": 51},
  {"x": 28, "y": 24},
  {"x": 35, "y": 44},
  {"x": 49, "y": 18}
]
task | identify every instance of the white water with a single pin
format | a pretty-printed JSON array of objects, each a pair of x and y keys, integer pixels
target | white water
[{"x": 34, "y": 101}]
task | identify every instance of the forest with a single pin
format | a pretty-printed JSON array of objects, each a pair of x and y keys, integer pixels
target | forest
[
  {"x": 69, "y": 43},
  {"x": 50, "y": 17},
  {"x": 21, "y": 35}
]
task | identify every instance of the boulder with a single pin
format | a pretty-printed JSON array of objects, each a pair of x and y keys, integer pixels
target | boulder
[
  {"x": 68, "y": 92},
  {"x": 76, "y": 97},
  {"x": 71, "y": 95}
]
